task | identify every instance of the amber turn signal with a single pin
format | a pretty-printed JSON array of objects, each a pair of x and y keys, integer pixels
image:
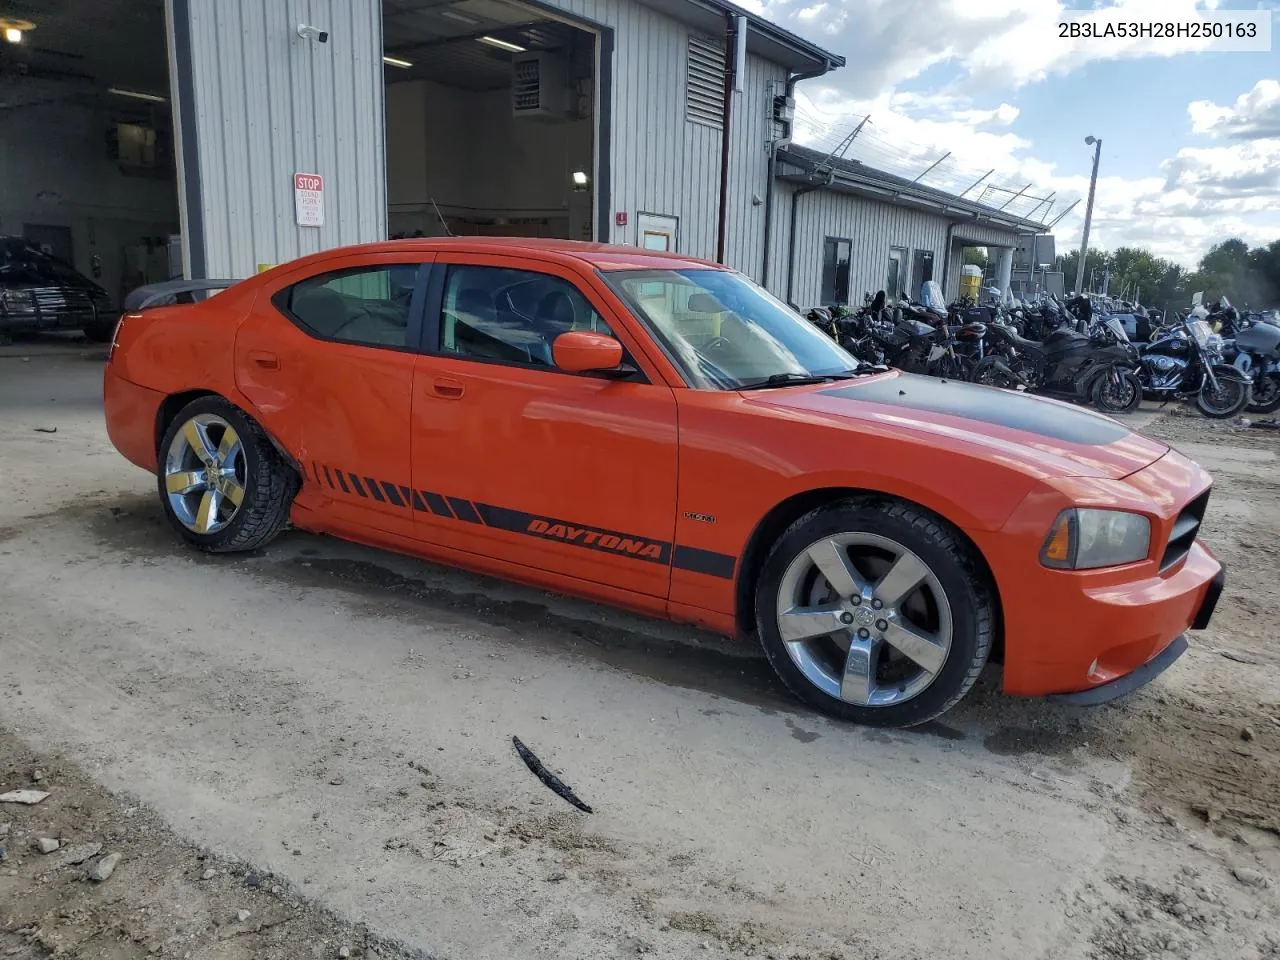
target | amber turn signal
[{"x": 1059, "y": 546}]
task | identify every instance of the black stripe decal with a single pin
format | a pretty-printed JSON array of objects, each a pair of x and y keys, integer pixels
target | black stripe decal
[
  {"x": 437, "y": 504},
  {"x": 316, "y": 470},
  {"x": 329, "y": 478},
  {"x": 704, "y": 561},
  {"x": 694, "y": 559},
  {"x": 592, "y": 538},
  {"x": 464, "y": 510}
]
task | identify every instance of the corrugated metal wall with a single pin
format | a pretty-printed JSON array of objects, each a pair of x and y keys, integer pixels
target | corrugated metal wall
[
  {"x": 873, "y": 228},
  {"x": 662, "y": 163},
  {"x": 264, "y": 103}
]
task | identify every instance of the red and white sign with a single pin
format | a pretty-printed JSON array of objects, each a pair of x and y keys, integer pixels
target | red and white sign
[
  {"x": 308, "y": 199},
  {"x": 620, "y": 218}
]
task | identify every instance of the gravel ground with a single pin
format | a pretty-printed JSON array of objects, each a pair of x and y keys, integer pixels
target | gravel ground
[{"x": 328, "y": 728}]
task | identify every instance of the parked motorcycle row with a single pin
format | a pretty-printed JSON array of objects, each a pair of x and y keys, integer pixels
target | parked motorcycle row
[{"x": 1085, "y": 349}]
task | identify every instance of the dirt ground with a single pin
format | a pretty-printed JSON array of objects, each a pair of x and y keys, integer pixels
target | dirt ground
[{"x": 328, "y": 729}]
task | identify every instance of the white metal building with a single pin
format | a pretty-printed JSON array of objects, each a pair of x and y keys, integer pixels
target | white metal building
[{"x": 282, "y": 127}]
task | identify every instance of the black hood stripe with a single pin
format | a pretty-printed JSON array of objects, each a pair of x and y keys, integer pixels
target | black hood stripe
[{"x": 1002, "y": 408}]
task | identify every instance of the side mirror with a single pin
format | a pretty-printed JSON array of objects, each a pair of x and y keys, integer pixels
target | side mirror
[{"x": 582, "y": 351}]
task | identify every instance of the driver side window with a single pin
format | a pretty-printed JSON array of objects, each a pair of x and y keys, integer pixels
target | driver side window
[
  {"x": 365, "y": 305},
  {"x": 510, "y": 316}
]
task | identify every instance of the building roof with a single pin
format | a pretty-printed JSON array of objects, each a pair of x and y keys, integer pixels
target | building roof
[
  {"x": 803, "y": 165},
  {"x": 765, "y": 39}
]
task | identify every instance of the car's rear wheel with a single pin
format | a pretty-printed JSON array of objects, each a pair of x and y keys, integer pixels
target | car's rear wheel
[
  {"x": 875, "y": 611},
  {"x": 223, "y": 485}
]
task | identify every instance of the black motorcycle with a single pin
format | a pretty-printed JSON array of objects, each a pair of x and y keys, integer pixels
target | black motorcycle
[
  {"x": 1255, "y": 352},
  {"x": 1186, "y": 363},
  {"x": 1095, "y": 368}
]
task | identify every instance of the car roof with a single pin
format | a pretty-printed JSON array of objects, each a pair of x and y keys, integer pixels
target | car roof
[{"x": 601, "y": 256}]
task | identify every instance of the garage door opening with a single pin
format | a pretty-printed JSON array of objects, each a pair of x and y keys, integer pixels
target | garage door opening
[
  {"x": 491, "y": 121},
  {"x": 86, "y": 146}
]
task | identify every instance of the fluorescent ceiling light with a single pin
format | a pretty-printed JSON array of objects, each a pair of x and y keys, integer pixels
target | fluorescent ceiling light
[
  {"x": 460, "y": 17},
  {"x": 501, "y": 44},
  {"x": 397, "y": 62},
  {"x": 13, "y": 34},
  {"x": 137, "y": 95}
]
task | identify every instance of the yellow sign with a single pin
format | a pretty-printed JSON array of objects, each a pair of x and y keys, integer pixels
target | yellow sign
[{"x": 264, "y": 267}]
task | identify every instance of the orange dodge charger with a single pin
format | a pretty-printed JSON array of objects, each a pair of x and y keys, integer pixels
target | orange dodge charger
[{"x": 661, "y": 434}]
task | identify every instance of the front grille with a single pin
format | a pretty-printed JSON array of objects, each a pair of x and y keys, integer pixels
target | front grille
[{"x": 1184, "y": 531}]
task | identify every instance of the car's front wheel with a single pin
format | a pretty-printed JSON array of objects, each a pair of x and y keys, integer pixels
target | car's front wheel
[
  {"x": 875, "y": 611},
  {"x": 223, "y": 485}
]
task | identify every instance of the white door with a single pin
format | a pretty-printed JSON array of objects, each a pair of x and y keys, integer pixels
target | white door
[{"x": 657, "y": 232}]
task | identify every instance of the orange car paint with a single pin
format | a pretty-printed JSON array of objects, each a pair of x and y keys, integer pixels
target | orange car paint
[{"x": 646, "y": 494}]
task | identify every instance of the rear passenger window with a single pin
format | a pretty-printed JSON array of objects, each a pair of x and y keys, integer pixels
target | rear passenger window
[{"x": 367, "y": 305}]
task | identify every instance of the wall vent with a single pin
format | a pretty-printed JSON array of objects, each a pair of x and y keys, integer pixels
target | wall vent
[{"x": 704, "y": 96}]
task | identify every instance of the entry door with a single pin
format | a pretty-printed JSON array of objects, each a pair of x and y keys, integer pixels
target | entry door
[
  {"x": 896, "y": 279},
  {"x": 657, "y": 232},
  {"x": 327, "y": 358},
  {"x": 921, "y": 273},
  {"x": 517, "y": 460}
]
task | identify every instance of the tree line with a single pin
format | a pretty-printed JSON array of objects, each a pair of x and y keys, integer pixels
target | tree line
[{"x": 1248, "y": 278}]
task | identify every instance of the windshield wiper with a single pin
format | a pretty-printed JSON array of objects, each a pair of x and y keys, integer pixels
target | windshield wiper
[{"x": 796, "y": 379}]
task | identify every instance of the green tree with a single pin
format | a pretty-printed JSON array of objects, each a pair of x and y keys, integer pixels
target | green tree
[{"x": 977, "y": 256}]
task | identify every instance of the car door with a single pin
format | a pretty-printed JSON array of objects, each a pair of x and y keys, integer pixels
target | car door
[
  {"x": 328, "y": 360},
  {"x": 517, "y": 460}
]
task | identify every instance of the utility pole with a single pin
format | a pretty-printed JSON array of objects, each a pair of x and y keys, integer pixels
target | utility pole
[{"x": 1088, "y": 210}]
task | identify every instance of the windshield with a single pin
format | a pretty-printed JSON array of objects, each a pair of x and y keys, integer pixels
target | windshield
[
  {"x": 724, "y": 331},
  {"x": 1117, "y": 328},
  {"x": 1200, "y": 331}
]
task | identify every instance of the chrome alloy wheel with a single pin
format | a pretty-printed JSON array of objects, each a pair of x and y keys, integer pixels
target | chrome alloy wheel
[
  {"x": 864, "y": 619},
  {"x": 205, "y": 473}
]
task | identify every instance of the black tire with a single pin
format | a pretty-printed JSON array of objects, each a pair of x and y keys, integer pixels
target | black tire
[
  {"x": 950, "y": 559},
  {"x": 100, "y": 332},
  {"x": 269, "y": 483},
  {"x": 1122, "y": 397},
  {"x": 994, "y": 372},
  {"x": 1231, "y": 397},
  {"x": 1266, "y": 394}
]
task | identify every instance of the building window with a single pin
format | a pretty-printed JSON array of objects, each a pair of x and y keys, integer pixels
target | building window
[
  {"x": 896, "y": 280},
  {"x": 921, "y": 272},
  {"x": 510, "y": 316},
  {"x": 365, "y": 305},
  {"x": 704, "y": 94},
  {"x": 835, "y": 270}
]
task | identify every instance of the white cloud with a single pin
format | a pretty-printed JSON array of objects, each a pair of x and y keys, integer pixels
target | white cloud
[
  {"x": 1199, "y": 196},
  {"x": 994, "y": 43},
  {"x": 1254, "y": 115}
]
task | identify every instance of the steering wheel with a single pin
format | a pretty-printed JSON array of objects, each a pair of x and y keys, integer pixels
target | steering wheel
[{"x": 717, "y": 343}]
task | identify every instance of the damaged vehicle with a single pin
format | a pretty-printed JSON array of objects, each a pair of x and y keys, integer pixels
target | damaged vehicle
[{"x": 662, "y": 434}]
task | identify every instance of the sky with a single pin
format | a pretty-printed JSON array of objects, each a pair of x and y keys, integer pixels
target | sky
[{"x": 1190, "y": 137}]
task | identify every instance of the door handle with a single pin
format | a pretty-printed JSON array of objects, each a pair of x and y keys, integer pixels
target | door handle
[
  {"x": 446, "y": 388},
  {"x": 267, "y": 361}
]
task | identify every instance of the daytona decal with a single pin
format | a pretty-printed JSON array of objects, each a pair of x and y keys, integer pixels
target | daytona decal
[{"x": 545, "y": 528}]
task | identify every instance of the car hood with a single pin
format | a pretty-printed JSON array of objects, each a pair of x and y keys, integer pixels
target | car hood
[{"x": 1046, "y": 437}]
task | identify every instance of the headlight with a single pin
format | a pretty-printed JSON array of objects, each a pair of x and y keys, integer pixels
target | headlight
[
  {"x": 1084, "y": 539},
  {"x": 17, "y": 300}
]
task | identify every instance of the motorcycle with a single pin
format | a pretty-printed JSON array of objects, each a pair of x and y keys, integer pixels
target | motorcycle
[
  {"x": 1255, "y": 352},
  {"x": 1095, "y": 368},
  {"x": 1187, "y": 363}
]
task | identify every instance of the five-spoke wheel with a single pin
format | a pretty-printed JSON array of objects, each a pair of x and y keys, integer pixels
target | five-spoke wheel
[
  {"x": 204, "y": 473},
  {"x": 875, "y": 611},
  {"x": 223, "y": 485}
]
